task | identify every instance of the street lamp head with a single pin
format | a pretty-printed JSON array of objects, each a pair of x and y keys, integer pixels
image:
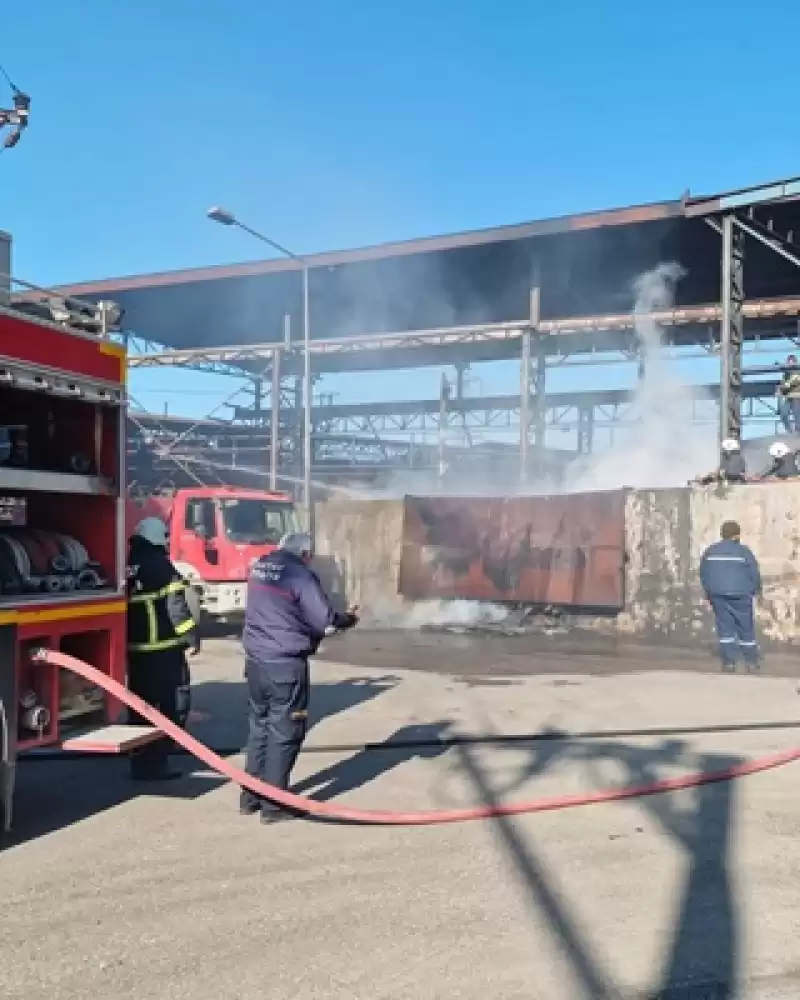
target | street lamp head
[{"x": 221, "y": 215}]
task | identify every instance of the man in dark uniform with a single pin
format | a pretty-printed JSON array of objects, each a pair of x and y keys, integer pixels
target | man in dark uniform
[
  {"x": 287, "y": 616},
  {"x": 732, "y": 468},
  {"x": 160, "y": 629},
  {"x": 784, "y": 462},
  {"x": 731, "y": 579}
]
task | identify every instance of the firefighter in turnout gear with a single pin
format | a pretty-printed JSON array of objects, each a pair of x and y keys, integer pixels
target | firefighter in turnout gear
[{"x": 161, "y": 628}]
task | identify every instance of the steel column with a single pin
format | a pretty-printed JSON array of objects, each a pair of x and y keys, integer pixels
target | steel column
[
  {"x": 732, "y": 329},
  {"x": 524, "y": 405},
  {"x": 258, "y": 399},
  {"x": 444, "y": 395},
  {"x": 531, "y": 418},
  {"x": 287, "y": 331},
  {"x": 275, "y": 423},
  {"x": 297, "y": 427},
  {"x": 308, "y": 390},
  {"x": 539, "y": 415},
  {"x": 585, "y": 430},
  {"x": 461, "y": 370}
]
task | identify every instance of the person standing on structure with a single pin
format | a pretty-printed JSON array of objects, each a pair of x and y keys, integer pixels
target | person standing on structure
[
  {"x": 287, "y": 615},
  {"x": 731, "y": 579},
  {"x": 161, "y": 626},
  {"x": 788, "y": 395}
]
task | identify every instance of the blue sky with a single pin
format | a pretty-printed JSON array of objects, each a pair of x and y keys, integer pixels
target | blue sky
[{"x": 331, "y": 124}]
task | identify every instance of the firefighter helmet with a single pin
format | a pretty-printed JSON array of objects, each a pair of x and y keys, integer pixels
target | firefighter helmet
[{"x": 153, "y": 530}]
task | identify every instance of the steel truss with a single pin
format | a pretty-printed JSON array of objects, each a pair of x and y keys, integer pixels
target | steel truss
[
  {"x": 727, "y": 330},
  {"x": 351, "y": 439},
  {"x": 240, "y": 359},
  {"x": 500, "y": 413},
  {"x": 735, "y": 217}
]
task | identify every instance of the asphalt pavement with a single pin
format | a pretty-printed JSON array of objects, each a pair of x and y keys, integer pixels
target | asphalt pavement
[{"x": 687, "y": 896}]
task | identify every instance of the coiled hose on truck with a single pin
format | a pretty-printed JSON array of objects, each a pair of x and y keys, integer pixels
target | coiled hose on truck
[{"x": 344, "y": 814}]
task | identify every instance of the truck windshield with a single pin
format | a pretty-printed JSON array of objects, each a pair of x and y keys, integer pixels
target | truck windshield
[{"x": 257, "y": 522}]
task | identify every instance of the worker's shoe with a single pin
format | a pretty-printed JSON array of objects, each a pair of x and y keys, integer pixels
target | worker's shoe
[
  {"x": 754, "y": 668},
  {"x": 249, "y": 808}
]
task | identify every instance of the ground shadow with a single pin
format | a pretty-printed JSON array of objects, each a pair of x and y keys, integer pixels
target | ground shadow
[
  {"x": 220, "y": 707},
  {"x": 368, "y": 764},
  {"x": 52, "y": 794},
  {"x": 702, "y": 954},
  {"x": 55, "y": 791}
]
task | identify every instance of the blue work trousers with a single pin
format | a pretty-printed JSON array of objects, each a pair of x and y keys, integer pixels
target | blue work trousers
[
  {"x": 736, "y": 630},
  {"x": 278, "y": 717},
  {"x": 789, "y": 413}
]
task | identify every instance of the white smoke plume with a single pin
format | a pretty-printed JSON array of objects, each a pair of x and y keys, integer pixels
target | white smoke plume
[
  {"x": 664, "y": 448},
  {"x": 436, "y": 613}
]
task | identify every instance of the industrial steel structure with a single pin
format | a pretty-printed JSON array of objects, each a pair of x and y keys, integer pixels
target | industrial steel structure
[{"x": 547, "y": 294}]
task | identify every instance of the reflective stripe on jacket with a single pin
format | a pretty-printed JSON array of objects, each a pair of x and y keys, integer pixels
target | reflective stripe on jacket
[
  {"x": 159, "y": 616},
  {"x": 729, "y": 569}
]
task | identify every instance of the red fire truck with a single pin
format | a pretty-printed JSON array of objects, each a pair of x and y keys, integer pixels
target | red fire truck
[
  {"x": 216, "y": 532},
  {"x": 62, "y": 528}
]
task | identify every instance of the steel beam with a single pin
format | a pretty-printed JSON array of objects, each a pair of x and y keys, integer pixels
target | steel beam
[
  {"x": 699, "y": 317},
  {"x": 218, "y": 447},
  {"x": 731, "y": 201},
  {"x": 405, "y": 415},
  {"x": 487, "y": 412},
  {"x": 770, "y": 239}
]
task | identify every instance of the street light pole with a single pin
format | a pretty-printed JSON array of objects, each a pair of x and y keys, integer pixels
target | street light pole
[
  {"x": 308, "y": 391},
  {"x": 226, "y": 218}
]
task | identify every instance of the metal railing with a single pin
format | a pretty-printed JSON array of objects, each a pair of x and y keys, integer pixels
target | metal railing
[{"x": 44, "y": 305}]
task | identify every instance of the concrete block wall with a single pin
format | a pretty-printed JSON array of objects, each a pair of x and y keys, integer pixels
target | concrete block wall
[
  {"x": 359, "y": 544},
  {"x": 358, "y": 548},
  {"x": 769, "y": 514},
  {"x": 659, "y": 598}
]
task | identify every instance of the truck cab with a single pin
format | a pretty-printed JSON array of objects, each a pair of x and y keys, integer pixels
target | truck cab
[{"x": 216, "y": 533}]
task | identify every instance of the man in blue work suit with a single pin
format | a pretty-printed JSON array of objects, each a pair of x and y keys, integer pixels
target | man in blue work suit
[
  {"x": 731, "y": 580},
  {"x": 287, "y": 616}
]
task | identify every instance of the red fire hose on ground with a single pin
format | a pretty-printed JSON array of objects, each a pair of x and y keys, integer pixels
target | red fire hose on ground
[{"x": 343, "y": 814}]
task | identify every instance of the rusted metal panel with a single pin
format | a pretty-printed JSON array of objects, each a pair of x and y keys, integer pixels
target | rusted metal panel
[{"x": 562, "y": 550}]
